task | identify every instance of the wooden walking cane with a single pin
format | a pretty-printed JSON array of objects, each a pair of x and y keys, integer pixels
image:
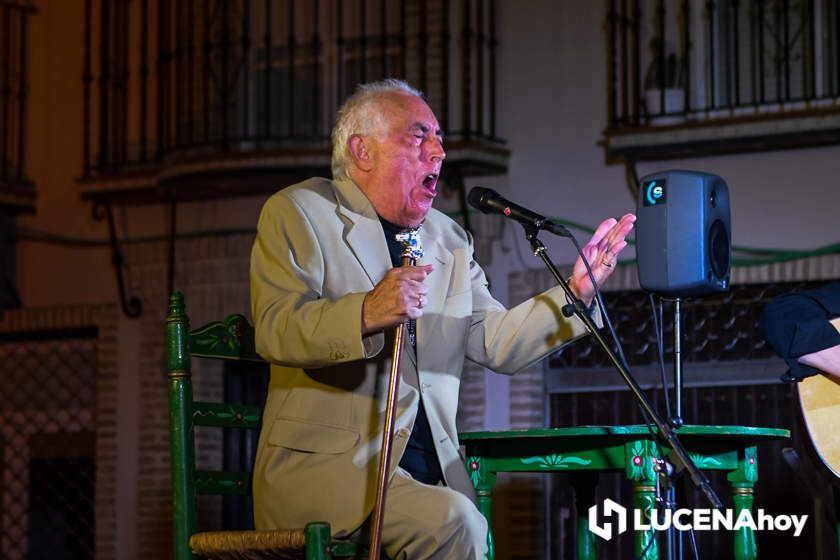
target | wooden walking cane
[{"x": 410, "y": 240}]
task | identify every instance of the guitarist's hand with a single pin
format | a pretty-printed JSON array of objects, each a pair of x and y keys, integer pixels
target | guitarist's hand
[{"x": 827, "y": 360}]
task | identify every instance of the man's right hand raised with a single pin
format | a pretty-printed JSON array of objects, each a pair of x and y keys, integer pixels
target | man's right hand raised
[{"x": 398, "y": 297}]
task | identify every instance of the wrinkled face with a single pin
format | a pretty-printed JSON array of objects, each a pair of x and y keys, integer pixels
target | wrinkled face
[{"x": 397, "y": 167}]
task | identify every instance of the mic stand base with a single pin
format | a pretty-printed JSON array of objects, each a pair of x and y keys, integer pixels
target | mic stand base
[{"x": 666, "y": 483}]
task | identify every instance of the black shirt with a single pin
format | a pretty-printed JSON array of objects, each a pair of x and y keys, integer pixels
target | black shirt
[
  {"x": 797, "y": 323},
  {"x": 420, "y": 458}
]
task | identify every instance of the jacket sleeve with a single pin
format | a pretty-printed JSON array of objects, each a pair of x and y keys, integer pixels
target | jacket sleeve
[
  {"x": 294, "y": 324},
  {"x": 509, "y": 340}
]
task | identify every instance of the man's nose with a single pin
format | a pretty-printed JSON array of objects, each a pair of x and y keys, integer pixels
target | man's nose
[{"x": 436, "y": 151}]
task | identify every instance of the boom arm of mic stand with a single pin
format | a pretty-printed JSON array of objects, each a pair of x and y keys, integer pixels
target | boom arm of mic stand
[{"x": 664, "y": 431}]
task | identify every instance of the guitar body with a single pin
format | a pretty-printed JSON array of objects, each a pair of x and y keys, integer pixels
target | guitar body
[{"x": 819, "y": 398}]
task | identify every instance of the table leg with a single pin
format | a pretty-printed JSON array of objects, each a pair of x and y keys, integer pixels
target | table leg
[
  {"x": 744, "y": 546},
  {"x": 639, "y": 463},
  {"x": 483, "y": 480},
  {"x": 644, "y": 499},
  {"x": 584, "y": 484},
  {"x": 743, "y": 481}
]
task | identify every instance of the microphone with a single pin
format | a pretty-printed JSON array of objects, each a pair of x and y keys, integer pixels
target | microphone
[{"x": 489, "y": 201}]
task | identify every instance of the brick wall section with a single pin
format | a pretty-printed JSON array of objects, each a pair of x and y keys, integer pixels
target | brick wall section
[
  {"x": 212, "y": 273},
  {"x": 433, "y": 45},
  {"x": 104, "y": 318},
  {"x": 472, "y": 401}
]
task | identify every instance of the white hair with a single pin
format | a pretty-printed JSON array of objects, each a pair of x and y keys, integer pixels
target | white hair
[{"x": 361, "y": 114}]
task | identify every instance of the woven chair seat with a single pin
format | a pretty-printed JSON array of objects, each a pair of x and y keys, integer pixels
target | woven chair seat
[{"x": 249, "y": 545}]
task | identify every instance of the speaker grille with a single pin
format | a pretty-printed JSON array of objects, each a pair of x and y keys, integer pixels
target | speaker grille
[{"x": 719, "y": 250}]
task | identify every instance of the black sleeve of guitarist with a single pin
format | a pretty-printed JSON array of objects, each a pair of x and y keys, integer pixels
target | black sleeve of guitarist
[{"x": 797, "y": 323}]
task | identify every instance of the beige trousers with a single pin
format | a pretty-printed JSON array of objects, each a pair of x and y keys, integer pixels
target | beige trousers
[{"x": 423, "y": 522}]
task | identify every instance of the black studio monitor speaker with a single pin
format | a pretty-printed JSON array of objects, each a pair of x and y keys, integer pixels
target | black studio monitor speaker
[{"x": 683, "y": 236}]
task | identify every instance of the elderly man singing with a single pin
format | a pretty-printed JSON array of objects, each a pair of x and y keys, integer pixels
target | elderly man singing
[{"x": 326, "y": 292}]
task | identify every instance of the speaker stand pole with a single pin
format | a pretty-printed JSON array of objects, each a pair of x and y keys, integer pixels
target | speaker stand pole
[
  {"x": 674, "y": 538},
  {"x": 677, "y": 419}
]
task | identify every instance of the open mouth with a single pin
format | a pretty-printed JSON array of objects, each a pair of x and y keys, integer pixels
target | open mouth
[{"x": 430, "y": 180}]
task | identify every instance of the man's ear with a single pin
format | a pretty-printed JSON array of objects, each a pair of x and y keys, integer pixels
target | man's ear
[{"x": 359, "y": 151}]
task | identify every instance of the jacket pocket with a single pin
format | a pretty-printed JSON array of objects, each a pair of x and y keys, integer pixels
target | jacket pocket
[{"x": 303, "y": 435}]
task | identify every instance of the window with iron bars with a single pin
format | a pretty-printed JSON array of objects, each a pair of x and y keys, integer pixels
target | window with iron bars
[
  {"x": 204, "y": 77},
  {"x": 47, "y": 444},
  {"x": 673, "y": 62},
  {"x": 15, "y": 186}
]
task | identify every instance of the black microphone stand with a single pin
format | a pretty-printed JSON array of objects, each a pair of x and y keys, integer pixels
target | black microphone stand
[{"x": 680, "y": 459}]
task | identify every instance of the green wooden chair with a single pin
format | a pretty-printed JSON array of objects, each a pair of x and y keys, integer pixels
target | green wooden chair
[{"x": 231, "y": 340}]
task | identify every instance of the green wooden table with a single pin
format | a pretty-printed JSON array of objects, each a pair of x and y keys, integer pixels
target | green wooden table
[{"x": 618, "y": 448}]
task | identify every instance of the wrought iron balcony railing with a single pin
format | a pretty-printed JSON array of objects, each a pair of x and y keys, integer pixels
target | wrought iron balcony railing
[
  {"x": 16, "y": 189},
  {"x": 693, "y": 64},
  {"x": 172, "y": 83}
]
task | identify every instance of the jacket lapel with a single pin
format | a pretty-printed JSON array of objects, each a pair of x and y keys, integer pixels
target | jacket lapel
[
  {"x": 364, "y": 235},
  {"x": 438, "y": 283},
  {"x": 363, "y": 232}
]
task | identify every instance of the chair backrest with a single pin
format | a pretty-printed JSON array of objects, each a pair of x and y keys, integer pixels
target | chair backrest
[{"x": 232, "y": 341}]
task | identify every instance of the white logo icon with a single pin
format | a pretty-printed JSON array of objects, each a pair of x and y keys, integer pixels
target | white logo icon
[{"x": 610, "y": 508}]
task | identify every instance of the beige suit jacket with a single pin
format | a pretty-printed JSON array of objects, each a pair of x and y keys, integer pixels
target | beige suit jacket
[{"x": 319, "y": 249}]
